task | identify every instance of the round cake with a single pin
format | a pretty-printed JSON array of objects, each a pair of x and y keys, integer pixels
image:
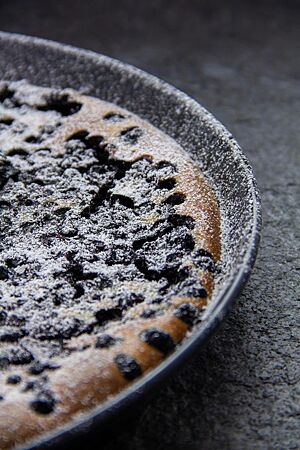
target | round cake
[{"x": 110, "y": 237}]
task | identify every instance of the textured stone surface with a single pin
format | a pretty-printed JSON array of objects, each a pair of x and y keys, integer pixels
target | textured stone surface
[{"x": 242, "y": 63}]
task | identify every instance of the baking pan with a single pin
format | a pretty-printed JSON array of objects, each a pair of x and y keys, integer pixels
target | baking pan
[{"x": 46, "y": 63}]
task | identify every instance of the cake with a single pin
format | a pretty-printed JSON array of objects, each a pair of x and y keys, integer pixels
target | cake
[{"x": 110, "y": 239}]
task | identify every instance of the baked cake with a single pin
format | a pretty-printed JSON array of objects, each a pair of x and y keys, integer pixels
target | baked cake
[{"x": 110, "y": 237}]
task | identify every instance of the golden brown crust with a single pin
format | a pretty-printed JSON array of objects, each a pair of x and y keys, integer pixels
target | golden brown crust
[{"x": 97, "y": 376}]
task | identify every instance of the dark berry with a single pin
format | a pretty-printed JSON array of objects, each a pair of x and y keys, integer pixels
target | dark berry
[
  {"x": 13, "y": 379},
  {"x": 19, "y": 356},
  {"x": 94, "y": 142},
  {"x": 4, "y": 362},
  {"x": 158, "y": 339},
  {"x": 105, "y": 314},
  {"x": 105, "y": 341},
  {"x": 113, "y": 117},
  {"x": 62, "y": 104},
  {"x": 130, "y": 299},
  {"x": 131, "y": 135},
  {"x": 198, "y": 291},
  {"x": 203, "y": 253},
  {"x": 7, "y": 121},
  {"x": 78, "y": 136},
  {"x": 187, "y": 313},
  {"x": 1, "y": 398},
  {"x": 36, "y": 368},
  {"x": 148, "y": 313},
  {"x": 123, "y": 200},
  {"x": 30, "y": 385},
  {"x": 10, "y": 334},
  {"x": 128, "y": 366},
  {"x": 193, "y": 288},
  {"x": 175, "y": 199},
  {"x": 204, "y": 260},
  {"x": 52, "y": 366},
  {"x": 179, "y": 220},
  {"x": 3, "y": 316},
  {"x": 3, "y": 272},
  {"x": 44, "y": 403},
  {"x": 167, "y": 183}
]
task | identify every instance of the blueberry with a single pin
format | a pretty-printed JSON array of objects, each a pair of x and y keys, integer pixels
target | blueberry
[
  {"x": 131, "y": 135},
  {"x": 193, "y": 288},
  {"x": 158, "y": 339},
  {"x": 44, "y": 403},
  {"x": 166, "y": 183},
  {"x": 19, "y": 356},
  {"x": 105, "y": 341},
  {"x": 39, "y": 367},
  {"x": 10, "y": 334},
  {"x": 52, "y": 366},
  {"x": 148, "y": 313},
  {"x": 204, "y": 260},
  {"x": 128, "y": 366},
  {"x": 78, "y": 136},
  {"x": 129, "y": 299},
  {"x": 36, "y": 368},
  {"x": 187, "y": 313},
  {"x": 4, "y": 362},
  {"x": 3, "y": 316},
  {"x": 3, "y": 272},
  {"x": 30, "y": 385},
  {"x": 175, "y": 199},
  {"x": 113, "y": 117},
  {"x": 94, "y": 142},
  {"x": 13, "y": 379},
  {"x": 62, "y": 104},
  {"x": 179, "y": 220},
  {"x": 198, "y": 291},
  {"x": 5, "y": 93},
  {"x": 105, "y": 314}
]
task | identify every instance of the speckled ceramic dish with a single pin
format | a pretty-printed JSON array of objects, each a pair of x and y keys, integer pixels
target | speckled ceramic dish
[{"x": 216, "y": 153}]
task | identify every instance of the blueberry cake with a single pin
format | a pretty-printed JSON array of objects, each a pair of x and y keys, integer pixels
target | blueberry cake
[{"x": 109, "y": 240}]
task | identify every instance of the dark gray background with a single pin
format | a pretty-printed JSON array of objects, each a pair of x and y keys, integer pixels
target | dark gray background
[{"x": 242, "y": 61}]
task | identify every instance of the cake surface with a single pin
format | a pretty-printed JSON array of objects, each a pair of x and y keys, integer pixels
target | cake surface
[{"x": 109, "y": 240}]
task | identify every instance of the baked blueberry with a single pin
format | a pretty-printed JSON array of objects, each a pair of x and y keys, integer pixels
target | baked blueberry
[
  {"x": 44, "y": 403},
  {"x": 36, "y": 368},
  {"x": 147, "y": 313},
  {"x": 128, "y": 366},
  {"x": 158, "y": 339},
  {"x": 113, "y": 117},
  {"x": 4, "y": 273},
  {"x": 106, "y": 314},
  {"x": 131, "y": 135},
  {"x": 13, "y": 379},
  {"x": 105, "y": 341},
  {"x": 30, "y": 385},
  {"x": 187, "y": 313}
]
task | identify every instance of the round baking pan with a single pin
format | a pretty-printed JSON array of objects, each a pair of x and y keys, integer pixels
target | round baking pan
[{"x": 47, "y": 63}]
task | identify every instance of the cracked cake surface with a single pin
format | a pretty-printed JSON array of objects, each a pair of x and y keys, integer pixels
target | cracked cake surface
[{"x": 109, "y": 240}]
